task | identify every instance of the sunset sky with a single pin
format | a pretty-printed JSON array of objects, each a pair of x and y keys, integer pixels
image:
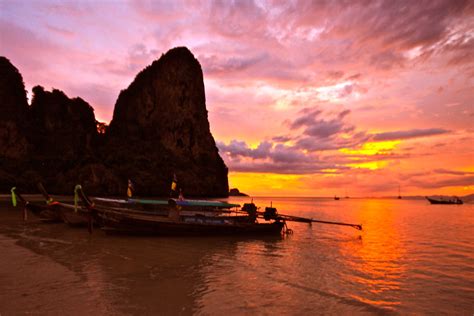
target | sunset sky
[{"x": 305, "y": 98}]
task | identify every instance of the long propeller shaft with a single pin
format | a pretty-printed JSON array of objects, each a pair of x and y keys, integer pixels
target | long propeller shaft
[{"x": 310, "y": 220}]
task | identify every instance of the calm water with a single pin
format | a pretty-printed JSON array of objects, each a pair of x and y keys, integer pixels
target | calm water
[{"x": 412, "y": 257}]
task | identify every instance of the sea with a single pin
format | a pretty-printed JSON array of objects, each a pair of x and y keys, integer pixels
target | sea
[{"x": 410, "y": 258}]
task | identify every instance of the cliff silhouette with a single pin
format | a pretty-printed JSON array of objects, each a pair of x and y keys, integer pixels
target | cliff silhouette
[{"x": 159, "y": 128}]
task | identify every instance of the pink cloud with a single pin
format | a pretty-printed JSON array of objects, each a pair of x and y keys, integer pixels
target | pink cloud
[
  {"x": 414, "y": 133},
  {"x": 370, "y": 68}
]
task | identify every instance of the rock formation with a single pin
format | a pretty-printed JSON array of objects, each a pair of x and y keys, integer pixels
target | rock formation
[
  {"x": 14, "y": 110},
  {"x": 159, "y": 128},
  {"x": 62, "y": 135},
  {"x": 236, "y": 192},
  {"x": 49, "y": 142}
]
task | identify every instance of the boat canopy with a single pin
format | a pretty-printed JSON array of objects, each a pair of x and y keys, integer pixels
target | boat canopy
[
  {"x": 200, "y": 203},
  {"x": 204, "y": 203},
  {"x": 145, "y": 201}
]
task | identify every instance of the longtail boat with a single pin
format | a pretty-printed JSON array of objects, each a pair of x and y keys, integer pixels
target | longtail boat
[
  {"x": 45, "y": 212},
  {"x": 175, "y": 217},
  {"x": 162, "y": 207},
  {"x": 188, "y": 217},
  {"x": 453, "y": 200},
  {"x": 71, "y": 214}
]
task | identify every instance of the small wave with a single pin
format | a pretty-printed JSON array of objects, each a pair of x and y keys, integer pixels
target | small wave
[
  {"x": 354, "y": 301},
  {"x": 44, "y": 239}
]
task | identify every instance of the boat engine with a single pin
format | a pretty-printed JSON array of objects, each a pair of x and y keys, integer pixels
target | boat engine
[
  {"x": 270, "y": 213},
  {"x": 251, "y": 209}
]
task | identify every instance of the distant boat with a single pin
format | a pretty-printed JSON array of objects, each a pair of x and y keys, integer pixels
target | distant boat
[
  {"x": 336, "y": 198},
  {"x": 399, "y": 194},
  {"x": 441, "y": 200}
]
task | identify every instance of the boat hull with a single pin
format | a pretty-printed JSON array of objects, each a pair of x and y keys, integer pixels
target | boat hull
[
  {"x": 434, "y": 201},
  {"x": 47, "y": 213},
  {"x": 73, "y": 218},
  {"x": 133, "y": 223}
]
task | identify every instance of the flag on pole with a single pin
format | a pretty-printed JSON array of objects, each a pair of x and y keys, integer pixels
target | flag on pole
[
  {"x": 174, "y": 183},
  {"x": 13, "y": 196}
]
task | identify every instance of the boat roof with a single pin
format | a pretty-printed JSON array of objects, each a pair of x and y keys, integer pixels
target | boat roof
[
  {"x": 148, "y": 201},
  {"x": 205, "y": 203},
  {"x": 202, "y": 203}
]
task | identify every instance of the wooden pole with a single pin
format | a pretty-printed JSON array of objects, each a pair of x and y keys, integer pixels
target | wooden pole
[
  {"x": 310, "y": 220},
  {"x": 44, "y": 193},
  {"x": 25, "y": 212}
]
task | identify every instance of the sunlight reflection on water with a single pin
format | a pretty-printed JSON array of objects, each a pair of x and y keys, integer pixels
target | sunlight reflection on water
[{"x": 409, "y": 253}]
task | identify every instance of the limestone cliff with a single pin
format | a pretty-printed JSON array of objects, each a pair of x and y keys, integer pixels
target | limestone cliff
[
  {"x": 62, "y": 135},
  {"x": 50, "y": 142},
  {"x": 160, "y": 127},
  {"x": 13, "y": 109}
]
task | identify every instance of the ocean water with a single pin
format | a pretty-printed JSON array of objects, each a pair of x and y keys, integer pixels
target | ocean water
[{"x": 410, "y": 258}]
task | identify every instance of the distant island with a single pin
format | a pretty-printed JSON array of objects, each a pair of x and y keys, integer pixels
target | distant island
[{"x": 236, "y": 192}]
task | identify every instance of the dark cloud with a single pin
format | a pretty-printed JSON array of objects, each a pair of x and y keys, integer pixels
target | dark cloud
[
  {"x": 451, "y": 182},
  {"x": 307, "y": 117},
  {"x": 460, "y": 50},
  {"x": 275, "y": 158},
  {"x": 221, "y": 64},
  {"x": 414, "y": 133},
  {"x": 386, "y": 60},
  {"x": 324, "y": 131},
  {"x": 237, "y": 149},
  {"x": 453, "y": 172},
  {"x": 313, "y": 144},
  {"x": 334, "y": 75},
  {"x": 354, "y": 77},
  {"x": 282, "y": 139},
  {"x": 286, "y": 41},
  {"x": 343, "y": 114},
  {"x": 321, "y": 133},
  {"x": 284, "y": 168},
  {"x": 265, "y": 150},
  {"x": 317, "y": 126},
  {"x": 404, "y": 24}
]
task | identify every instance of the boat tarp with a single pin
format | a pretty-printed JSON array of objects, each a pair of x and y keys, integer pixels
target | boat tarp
[
  {"x": 201, "y": 203},
  {"x": 144, "y": 201},
  {"x": 205, "y": 203}
]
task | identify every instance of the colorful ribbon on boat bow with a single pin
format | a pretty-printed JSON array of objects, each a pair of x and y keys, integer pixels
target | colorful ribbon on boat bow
[
  {"x": 13, "y": 196},
  {"x": 76, "y": 196}
]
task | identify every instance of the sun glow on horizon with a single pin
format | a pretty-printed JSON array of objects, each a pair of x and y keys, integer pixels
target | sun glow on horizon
[
  {"x": 302, "y": 100},
  {"x": 267, "y": 183},
  {"x": 373, "y": 148}
]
